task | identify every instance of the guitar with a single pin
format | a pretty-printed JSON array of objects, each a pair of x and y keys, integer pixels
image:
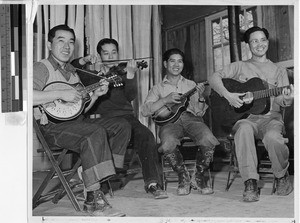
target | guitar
[
  {"x": 88, "y": 77},
  {"x": 60, "y": 110},
  {"x": 169, "y": 113},
  {"x": 256, "y": 100}
]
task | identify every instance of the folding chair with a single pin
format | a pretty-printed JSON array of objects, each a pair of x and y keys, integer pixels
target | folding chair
[{"x": 64, "y": 177}]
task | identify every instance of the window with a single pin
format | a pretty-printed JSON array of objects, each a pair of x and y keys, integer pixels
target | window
[{"x": 217, "y": 36}]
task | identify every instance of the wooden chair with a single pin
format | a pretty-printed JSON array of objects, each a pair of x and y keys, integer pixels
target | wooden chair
[{"x": 63, "y": 176}]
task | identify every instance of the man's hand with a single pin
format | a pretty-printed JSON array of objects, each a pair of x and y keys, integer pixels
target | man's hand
[
  {"x": 88, "y": 59},
  {"x": 173, "y": 97},
  {"x": 102, "y": 89},
  {"x": 234, "y": 99},
  {"x": 288, "y": 95},
  {"x": 71, "y": 95},
  {"x": 200, "y": 88},
  {"x": 131, "y": 68}
]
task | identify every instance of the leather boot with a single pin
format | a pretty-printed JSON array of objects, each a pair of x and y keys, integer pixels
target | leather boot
[
  {"x": 251, "y": 192},
  {"x": 96, "y": 204},
  {"x": 283, "y": 185},
  {"x": 204, "y": 156},
  {"x": 175, "y": 159}
]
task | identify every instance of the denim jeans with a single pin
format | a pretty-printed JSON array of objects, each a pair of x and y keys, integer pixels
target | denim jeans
[
  {"x": 89, "y": 140},
  {"x": 119, "y": 133}
]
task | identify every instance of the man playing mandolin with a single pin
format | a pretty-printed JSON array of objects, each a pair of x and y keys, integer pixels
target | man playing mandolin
[
  {"x": 87, "y": 139},
  {"x": 117, "y": 104},
  {"x": 188, "y": 122},
  {"x": 269, "y": 126}
]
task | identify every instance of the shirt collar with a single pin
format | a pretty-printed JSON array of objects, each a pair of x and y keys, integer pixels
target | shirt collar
[
  {"x": 56, "y": 65},
  {"x": 165, "y": 80}
]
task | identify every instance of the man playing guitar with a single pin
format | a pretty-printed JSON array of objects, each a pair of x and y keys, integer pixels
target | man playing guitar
[{"x": 269, "y": 126}]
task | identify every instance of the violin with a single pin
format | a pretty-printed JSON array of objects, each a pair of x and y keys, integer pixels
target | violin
[
  {"x": 89, "y": 77},
  {"x": 120, "y": 68}
]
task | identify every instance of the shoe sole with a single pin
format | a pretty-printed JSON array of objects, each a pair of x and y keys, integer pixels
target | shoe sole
[{"x": 164, "y": 196}]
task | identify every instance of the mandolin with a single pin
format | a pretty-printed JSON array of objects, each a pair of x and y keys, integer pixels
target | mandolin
[{"x": 171, "y": 112}]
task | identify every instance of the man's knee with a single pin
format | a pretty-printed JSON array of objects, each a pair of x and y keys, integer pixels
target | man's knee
[
  {"x": 244, "y": 128},
  {"x": 274, "y": 137},
  {"x": 169, "y": 146}
]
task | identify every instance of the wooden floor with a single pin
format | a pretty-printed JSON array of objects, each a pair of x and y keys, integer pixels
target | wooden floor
[{"x": 221, "y": 206}]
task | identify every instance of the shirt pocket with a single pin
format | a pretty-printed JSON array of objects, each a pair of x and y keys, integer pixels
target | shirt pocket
[
  {"x": 273, "y": 82},
  {"x": 244, "y": 77}
]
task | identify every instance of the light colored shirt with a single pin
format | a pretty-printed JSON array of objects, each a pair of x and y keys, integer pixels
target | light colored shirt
[
  {"x": 269, "y": 72},
  {"x": 164, "y": 88}
]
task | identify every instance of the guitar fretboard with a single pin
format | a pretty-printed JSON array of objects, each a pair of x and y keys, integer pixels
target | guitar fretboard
[{"x": 268, "y": 92}]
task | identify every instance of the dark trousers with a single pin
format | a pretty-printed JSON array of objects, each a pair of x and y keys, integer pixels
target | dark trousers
[{"x": 145, "y": 144}]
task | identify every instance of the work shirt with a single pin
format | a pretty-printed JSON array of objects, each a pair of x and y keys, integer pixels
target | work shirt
[{"x": 164, "y": 88}]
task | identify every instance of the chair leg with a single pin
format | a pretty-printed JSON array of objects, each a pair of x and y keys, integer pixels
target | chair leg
[
  {"x": 164, "y": 178},
  {"x": 233, "y": 167},
  {"x": 45, "y": 182},
  {"x": 62, "y": 192},
  {"x": 65, "y": 185},
  {"x": 274, "y": 186},
  {"x": 56, "y": 167}
]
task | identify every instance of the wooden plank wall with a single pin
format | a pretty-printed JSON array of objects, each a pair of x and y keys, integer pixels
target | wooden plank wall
[
  {"x": 281, "y": 45},
  {"x": 190, "y": 38}
]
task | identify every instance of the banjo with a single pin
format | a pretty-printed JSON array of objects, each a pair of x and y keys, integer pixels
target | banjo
[{"x": 60, "y": 110}]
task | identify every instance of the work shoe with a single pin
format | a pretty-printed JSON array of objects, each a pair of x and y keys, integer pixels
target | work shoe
[
  {"x": 157, "y": 192},
  {"x": 251, "y": 192},
  {"x": 96, "y": 204},
  {"x": 283, "y": 185},
  {"x": 184, "y": 182},
  {"x": 201, "y": 184}
]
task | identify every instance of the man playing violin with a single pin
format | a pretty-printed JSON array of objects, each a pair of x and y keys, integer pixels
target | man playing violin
[
  {"x": 117, "y": 104},
  {"x": 87, "y": 139},
  {"x": 190, "y": 123},
  {"x": 268, "y": 127}
]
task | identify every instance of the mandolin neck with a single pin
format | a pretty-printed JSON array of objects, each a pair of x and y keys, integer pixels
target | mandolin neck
[{"x": 190, "y": 92}]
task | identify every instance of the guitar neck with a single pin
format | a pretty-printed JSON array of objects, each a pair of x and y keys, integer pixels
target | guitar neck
[{"x": 269, "y": 92}]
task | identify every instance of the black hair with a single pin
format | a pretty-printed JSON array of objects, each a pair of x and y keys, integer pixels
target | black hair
[
  {"x": 106, "y": 41},
  {"x": 51, "y": 33},
  {"x": 172, "y": 51},
  {"x": 252, "y": 30}
]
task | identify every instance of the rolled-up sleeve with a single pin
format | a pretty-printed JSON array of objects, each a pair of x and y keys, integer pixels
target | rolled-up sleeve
[
  {"x": 282, "y": 81},
  {"x": 40, "y": 76},
  {"x": 152, "y": 97}
]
